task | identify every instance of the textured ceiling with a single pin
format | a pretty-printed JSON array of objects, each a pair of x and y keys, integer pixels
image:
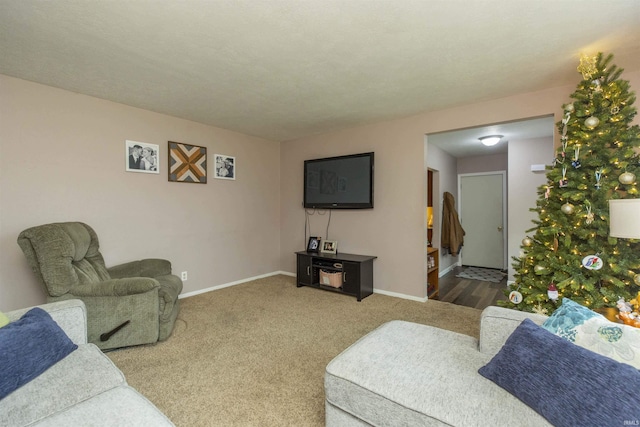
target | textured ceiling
[{"x": 284, "y": 69}]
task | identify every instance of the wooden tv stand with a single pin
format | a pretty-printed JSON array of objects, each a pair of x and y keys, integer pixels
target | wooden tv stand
[{"x": 357, "y": 272}]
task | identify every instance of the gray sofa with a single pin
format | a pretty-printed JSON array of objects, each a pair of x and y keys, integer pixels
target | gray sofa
[
  {"x": 408, "y": 374},
  {"x": 84, "y": 388}
]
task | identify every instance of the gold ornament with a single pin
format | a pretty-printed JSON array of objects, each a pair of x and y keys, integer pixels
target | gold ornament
[
  {"x": 587, "y": 66},
  {"x": 539, "y": 309},
  {"x": 590, "y": 218},
  {"x": 627, "y": 178},
  {"x": 567, "y": 208},
  {"x": 569, "y": 108},
  {"x": 636, "y": 279},
  {"x": 527, "y": 241},
  {"x": 591, "y": 122}
]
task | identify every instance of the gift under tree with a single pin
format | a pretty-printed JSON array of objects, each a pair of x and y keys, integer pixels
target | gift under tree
[{"x": 569, "y": 253}]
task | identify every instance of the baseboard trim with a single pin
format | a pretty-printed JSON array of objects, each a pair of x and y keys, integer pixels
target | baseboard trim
[
  {"x": 448, "y": 269},
  {"x": 287, "y": 273},
  {"x": 237, "y": 282},
  {"x": 398, "y": 295}
]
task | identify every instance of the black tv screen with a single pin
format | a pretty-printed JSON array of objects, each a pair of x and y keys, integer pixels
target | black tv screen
[{"x": 344, "y": 182}]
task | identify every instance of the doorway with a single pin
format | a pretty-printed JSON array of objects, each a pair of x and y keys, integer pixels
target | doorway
[{"x": 482, "y": 204}]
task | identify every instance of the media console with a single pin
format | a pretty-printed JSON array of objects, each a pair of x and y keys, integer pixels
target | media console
[{"x": 356, "y": 272}]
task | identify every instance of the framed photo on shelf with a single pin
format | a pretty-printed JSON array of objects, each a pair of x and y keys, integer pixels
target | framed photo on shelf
[
  {"x": 141, "y": 157},
  {"x": 329, "y": 247},
  {"x": 313, "y": 245}
]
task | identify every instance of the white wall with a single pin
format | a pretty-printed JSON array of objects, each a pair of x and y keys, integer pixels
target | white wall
[
  {"x": 62, "y": 158},
  {"x": 522, "y": 188},
  {"x": 447, "y": 172},
  {"x": 394, "y": 229},
  {"x": 480, "y": 164}
]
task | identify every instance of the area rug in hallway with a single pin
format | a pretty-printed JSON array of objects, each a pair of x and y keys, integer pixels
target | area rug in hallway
[{"x": 484, "y": 274}]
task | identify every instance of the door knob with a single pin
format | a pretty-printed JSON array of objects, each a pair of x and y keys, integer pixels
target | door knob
[{"x": 499, "y": 228}]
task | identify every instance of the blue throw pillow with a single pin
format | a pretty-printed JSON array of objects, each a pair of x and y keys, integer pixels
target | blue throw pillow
[
  {"x": 565, "y": 383},
  {"x": 28, "y": 347}
]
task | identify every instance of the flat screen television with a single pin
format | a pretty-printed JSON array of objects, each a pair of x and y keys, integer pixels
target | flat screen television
[{"x": 343, "y": 182}]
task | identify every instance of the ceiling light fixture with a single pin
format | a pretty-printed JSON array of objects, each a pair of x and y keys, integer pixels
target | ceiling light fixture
[{"x": 490, "y": 140}]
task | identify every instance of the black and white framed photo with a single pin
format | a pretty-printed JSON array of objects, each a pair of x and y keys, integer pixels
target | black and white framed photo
[
  {"x": 225, "y": 166},
  {"x": 329, "y": 247},
  {"x": 313, "y": 245},
  {"x": 142, "y": 157}
]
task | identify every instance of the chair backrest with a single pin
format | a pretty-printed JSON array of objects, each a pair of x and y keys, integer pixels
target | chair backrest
[{"x": 63, "y": 255}]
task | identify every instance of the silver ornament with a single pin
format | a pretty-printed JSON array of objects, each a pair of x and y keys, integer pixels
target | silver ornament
[
  {"x": 591, "y": 122},
  {"x": 636, "y": 279},
  {"x": 627, "y": 178},
  {"x": 527, "y": 241},
  {"x": 567, "y": 208},
  {"x": 569, "y": 108}
]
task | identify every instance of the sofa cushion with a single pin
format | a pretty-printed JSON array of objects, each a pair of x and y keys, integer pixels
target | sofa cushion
[
  {"x": 84, "y": 373},
  {"x": 405, "y": 373},
  {"x": 593, "y": 331},
  {"x": 565, "y": 383},
  {"x": 120, "y": 406},
  {"x": 28, "y": 347}
]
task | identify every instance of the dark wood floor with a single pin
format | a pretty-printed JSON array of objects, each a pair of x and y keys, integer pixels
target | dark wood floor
[{"x": 471, "y": 293}]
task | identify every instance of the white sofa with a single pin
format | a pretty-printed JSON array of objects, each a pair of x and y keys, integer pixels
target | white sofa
[
  {"x": 408, "y": 374},
  {"x": 84, "y": 388}
]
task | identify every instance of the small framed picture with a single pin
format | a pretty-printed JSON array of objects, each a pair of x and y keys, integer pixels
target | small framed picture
[
  {"x": 225, "y": 166},
  {"x": 329, "y": 247},
  {"x": 142, "y": 157},
  {"x": 314, "y": 244}
]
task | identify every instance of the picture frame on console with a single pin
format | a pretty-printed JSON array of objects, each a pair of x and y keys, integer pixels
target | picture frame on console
[
  {"x": 329, "y": 247},
  {"x": 313, "y": 245}
]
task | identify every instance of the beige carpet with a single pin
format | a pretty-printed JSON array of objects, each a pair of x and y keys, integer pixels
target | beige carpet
[{"x": 254, "y": 354}]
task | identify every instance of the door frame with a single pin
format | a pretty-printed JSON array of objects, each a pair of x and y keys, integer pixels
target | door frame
[{"x": 504, "y": 208}]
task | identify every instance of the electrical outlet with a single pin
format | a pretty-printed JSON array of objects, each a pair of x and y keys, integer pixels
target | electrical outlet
[{"x": 183, "y": 276}]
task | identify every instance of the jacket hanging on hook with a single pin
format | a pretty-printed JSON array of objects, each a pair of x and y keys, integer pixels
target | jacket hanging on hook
[{"x": 452, "y": 237}]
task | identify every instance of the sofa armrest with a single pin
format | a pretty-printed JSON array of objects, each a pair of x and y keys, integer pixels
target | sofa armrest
[
  {"x": 498, "y": 323},
  {"x": 70, "y": 315}
]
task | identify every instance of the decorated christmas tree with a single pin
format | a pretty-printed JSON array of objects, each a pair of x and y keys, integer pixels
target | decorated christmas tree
[{"x": 569, "y": 252}]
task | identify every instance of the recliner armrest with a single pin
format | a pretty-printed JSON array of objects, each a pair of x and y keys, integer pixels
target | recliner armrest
[
  {"x": 116, "y": 287},
  {"x": 151, "y": 267},
  {"x": 498, "y": 323}
]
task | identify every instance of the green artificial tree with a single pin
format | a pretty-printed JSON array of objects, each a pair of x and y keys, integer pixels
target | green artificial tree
[{"x": 570, "y": 253}]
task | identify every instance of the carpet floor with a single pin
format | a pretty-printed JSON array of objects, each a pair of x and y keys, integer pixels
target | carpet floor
[
  {"x": 484, "y": 274},
  {"x": 254, "y": 354}
]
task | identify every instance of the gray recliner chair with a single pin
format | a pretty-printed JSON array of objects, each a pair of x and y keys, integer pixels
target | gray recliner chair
[{"x": 129, "y": 304}]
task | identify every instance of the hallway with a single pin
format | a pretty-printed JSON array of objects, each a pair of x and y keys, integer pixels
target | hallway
[{"x": 470, "y": 293}]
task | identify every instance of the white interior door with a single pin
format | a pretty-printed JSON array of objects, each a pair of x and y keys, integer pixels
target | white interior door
[{"x": 482, "y": 215}]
